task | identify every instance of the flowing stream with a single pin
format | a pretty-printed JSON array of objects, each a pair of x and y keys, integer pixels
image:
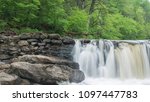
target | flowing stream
[{"x": 113, "y": 62}]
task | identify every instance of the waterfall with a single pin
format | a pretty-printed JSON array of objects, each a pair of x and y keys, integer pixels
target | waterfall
[{"x": 121, "y": 60}]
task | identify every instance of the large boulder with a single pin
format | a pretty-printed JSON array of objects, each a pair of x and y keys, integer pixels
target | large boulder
[
  {"x": 46, "y": 60},
  {"x": 77, "y": 76},
  {"x": 43, "y": 73},
  {"x": 7, "y": 79}
]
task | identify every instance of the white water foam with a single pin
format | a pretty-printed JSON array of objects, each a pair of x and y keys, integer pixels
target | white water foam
[{"x": 122, "y": 62}]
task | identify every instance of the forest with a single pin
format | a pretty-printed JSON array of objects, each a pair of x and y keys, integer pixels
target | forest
[{"x": 92, "y": 19}]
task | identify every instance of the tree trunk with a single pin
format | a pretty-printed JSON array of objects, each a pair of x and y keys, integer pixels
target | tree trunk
[
  {"x": 92, "y": 7},
  {"x": 81, "y": 4}
]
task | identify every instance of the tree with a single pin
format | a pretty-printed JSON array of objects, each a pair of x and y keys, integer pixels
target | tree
[{"x": 77, "y": 21}]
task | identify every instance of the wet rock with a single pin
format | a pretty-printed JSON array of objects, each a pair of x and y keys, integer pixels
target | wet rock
[
  {"x": 68, "y": 40},
  {"x": 85, "y": 41},
  {"x": 77, "y": 76}
]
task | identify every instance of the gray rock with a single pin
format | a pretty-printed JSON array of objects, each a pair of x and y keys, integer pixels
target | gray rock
[
  {"x": 68, "y": 40},
  {"x": 33, "y": 48},
  {"x": 32, "y": 40},
  {"x": 43, "y": 36},
  {"x": 23, "y": 43},
  {"x": 25, "y": 49},
  {"x": 41, "y": 44},
  {"x": 25, "y": 36},
  {"x": 85, "y": 41},
  {"x": 54, "y": 36},
  {"x": 12, "y": 44},
  {"x": 77, "y": 76},
  {"x": 1, "y": 41},
  {"x": 46, "y": 60},
  {"x": 13, "y": 48},
  {"x": 34, "y": 43},
  {"x": 4, "y": 57},
  {"x": 4, "y": 66},
  {"x": 25, "y": 82},
  {"x": 47, "y": 40},
  {"x": 41, "y": 73},
  {"x": 56, "y": 42},
  {"x": 36, "y": 35},
  {"x": 7, "y": 79}
]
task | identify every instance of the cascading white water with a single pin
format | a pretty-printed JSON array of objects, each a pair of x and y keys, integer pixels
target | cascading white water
[{"x": 124, "y": 60}]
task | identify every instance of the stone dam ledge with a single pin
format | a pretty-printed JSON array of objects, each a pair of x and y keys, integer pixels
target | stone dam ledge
[{"x": 37, "y": 59}]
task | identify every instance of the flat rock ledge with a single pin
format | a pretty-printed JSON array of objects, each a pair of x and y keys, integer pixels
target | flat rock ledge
[{"x": 41, "y": 70}]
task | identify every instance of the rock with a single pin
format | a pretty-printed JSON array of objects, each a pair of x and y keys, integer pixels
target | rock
[
  {"x": 56, "y": 42},
  {"x": 32, "y": 40},
  {"x": 7, "y": 79},
  {"x": 13, "y": 48},
  {"x": 16, "y": 38},
  {"x": 43, "y": 36},
  {"x": 25, "y": 49},
  {"x": 1, "y": 41},
  {"x": 41, "y": 48},
  {"x": 4, "y": 66},
  {"x": 47, "y": 40},
  {"x": 25, "y": 36},
  {"x": 25, "y": 82},
  {"x": 54, "y": 36},
  {"x": 85, "y": 41},
  {"x": 41, "y": 73},
  {"x": 46, "y": 60},
  {"x": 12, "y": 44},
  {"x": 36, "y": 35},
  {"x": 23, "y": 43},
  {"x": 33, "y": 48},
  {"x": 14, "y": 52},
  {"x": 4, "y": 57},
  {"x": 41, "y": 44},
  {"x": 68, "y": 40},
  {"x": 22, "y": 53},
  {"x": 4, "y": 48},
  {"x": 77, "y": 76},
  {"x": 34, "y": 43}
]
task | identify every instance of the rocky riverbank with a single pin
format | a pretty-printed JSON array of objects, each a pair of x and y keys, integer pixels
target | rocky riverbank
[{"x": 37, "y": 58}]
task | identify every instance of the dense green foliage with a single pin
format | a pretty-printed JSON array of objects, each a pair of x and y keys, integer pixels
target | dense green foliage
[{"x": 108, "y": 19}]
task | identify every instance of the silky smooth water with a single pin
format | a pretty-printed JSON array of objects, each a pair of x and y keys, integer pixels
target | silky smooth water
[{"x": 113, "y": 62}]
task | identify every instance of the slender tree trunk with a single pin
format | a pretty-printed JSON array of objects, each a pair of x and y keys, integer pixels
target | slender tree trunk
[
  {"x": 92, "y": 7},
  {"x": 81, "y": 3}
]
